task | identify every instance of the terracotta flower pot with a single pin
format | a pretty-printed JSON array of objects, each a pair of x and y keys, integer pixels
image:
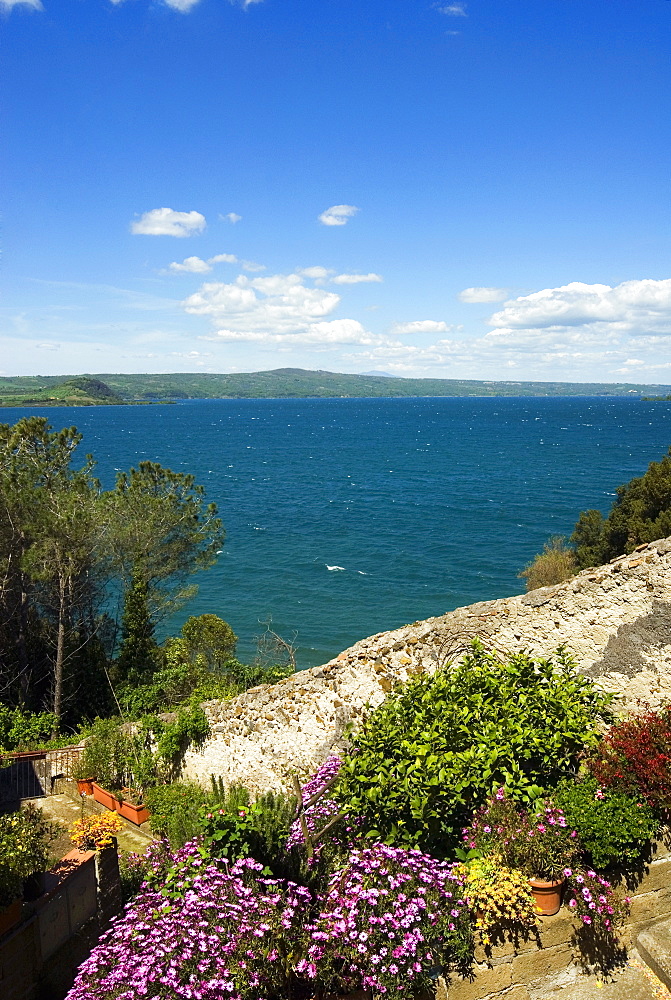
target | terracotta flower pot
[
  {"x": 104, "y": 797},
  {"x": 136, "y": 814},
  {"x": 547, "y": 895},
  {"x": 85, "y": 786}
]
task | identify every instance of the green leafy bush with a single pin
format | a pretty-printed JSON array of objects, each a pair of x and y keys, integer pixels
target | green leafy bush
[
  {"x": 175, "y": 810},
  {"x": 20, "y": 730},
  {"x": 235, "y": 827},
  {"x": 439, "y": 746},
  {"x": 105, "y": 755},
  {"x": 553, "y": 565},
  {"x": 613, "y": 826}
]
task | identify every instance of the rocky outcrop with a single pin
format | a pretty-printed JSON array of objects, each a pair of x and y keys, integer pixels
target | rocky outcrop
[{"x": 615, "y": 619}]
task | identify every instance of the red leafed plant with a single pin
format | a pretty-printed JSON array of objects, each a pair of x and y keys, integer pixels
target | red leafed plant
[{"x": 635, "y": 757}]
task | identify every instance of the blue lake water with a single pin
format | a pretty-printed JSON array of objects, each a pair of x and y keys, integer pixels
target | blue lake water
[{"x": 347, "y": 517}]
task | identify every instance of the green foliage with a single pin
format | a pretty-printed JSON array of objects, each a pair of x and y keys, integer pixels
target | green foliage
[
  {"x": 211, "y": 638},
  {"x": 68, "y": 549},
  {"x": 301, "y": 383},
  {"x": 554, "y": 564},
  {"x": 175, "y": 811},
  {"x": 137, "y": 656},
  {"x": 614, "y": 827},
  {"x": 105, "y": 755},
  {"x": 588, "y": 540},
  {"x": 24, "y": 849},
  {"x": 235, "y": 828},
  {"x": 150, "y": 753},
  {"x": 438, "y": 746},
  {"x": 190, "y": 727},
  {"x": 641, "y": 513},
  {"x": 20, "y": 730}
]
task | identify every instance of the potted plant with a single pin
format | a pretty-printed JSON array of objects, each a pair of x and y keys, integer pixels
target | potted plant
[
  {"x": 129, "y": 803},
  {"x": 540, "y": 844},
  {"x": 95, "y": 833}
]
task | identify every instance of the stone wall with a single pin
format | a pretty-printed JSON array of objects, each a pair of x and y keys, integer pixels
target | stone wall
[{"x": 615, "y": 619}]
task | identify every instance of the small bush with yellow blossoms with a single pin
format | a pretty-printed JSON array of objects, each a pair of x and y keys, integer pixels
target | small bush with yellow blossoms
[
  {"x": 93, "y": 833},
  {"x": 499, "y": 898}
]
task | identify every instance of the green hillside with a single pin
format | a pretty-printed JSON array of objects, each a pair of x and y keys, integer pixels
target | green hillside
[
  {"x": 80, "y": 390},
  {"x": 46, "y": 390}
]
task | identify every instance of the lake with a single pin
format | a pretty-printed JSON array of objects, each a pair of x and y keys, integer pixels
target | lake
[{"x": 347, "y": 517}]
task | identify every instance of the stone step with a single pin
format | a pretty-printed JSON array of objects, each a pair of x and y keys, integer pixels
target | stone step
[
  {"x": 654, "y": 946},
  {"x": 634, "y": 982}
]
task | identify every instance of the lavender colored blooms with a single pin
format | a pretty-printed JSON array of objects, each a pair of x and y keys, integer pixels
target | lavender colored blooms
[
  {"x": 317, "y": 815},
  {"x": 200, "y": 930},
  {"x": 389, "y": 917},
  {"x": 203, "y": 930}
]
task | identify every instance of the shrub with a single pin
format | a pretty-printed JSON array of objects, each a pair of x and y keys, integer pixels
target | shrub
[
  {"x": 24, "y": 839},
  {"x": 635, "y": 757},
  {"x": 391, "y": 919},
  {"x": 439, "y": 746},
  {"x": 135, "y": 869},
  {"x": 614, "y": 827},
  {"x": 554, "y": 564},
  {"x": 238, "y": 828},
  {"x": 201, "y": 929},
  {"x": 175, "y": 811},
  {"x": 105, "y": 755},
  {"x": 500, "y": 898}
]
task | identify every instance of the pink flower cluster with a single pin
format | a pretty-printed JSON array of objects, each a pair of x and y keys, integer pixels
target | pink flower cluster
[
  {"x": 199, "y": 931},
  {"x": 388, "y": 918},
  {"x": 592, "y": 898},
  {"x": 318, "y": 814}
]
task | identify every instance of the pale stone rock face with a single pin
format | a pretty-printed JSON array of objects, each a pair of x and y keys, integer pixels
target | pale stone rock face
[{"x": 615, "y": 620}]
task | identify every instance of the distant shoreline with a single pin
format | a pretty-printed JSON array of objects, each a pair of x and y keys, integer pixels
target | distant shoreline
[{"x": 284, "y": 383}]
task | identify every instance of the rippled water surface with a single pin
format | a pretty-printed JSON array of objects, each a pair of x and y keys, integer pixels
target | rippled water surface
[{"x": 347, "y": 517}]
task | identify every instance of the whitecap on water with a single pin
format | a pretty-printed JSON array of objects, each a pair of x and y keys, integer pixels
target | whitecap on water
[{"x": 334, "y": 569}]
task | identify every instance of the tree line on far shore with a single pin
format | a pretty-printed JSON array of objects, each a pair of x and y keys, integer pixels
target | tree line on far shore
[{"x": 640, "y": 513}]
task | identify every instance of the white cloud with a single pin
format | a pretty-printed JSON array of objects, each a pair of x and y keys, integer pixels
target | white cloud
[
  {"x": 223, "y": 258},
  {"x": 183, "y": 6},
  {"x": 231, "y": 217},
  {"x": 9, "y": 4},
  {"x": 478, "y": 294},
  {"x": 453, "y": 9},
  {"x": 316, "y": 273},
  {"x": 355, "y": 279},
  {"x": 196, "y": 265},
  {"x": 191, "y": 265},
  {"x": 421, "y": 326},
  {"x": 251, "y": 266},
  {"x": 167, "y": 222},
  {"x": 277, "y": 309},
  {"x": 338, "y": 215},
  {"x": 633, "y": 307}
]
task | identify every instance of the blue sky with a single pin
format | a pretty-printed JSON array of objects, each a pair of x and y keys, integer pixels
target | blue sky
[{"x": 469, "y": 189}]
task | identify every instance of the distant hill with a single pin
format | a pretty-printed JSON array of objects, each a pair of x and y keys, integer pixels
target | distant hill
[
  {"x": 96, "y": 390},
  {"x": 81, "y": 390}
]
